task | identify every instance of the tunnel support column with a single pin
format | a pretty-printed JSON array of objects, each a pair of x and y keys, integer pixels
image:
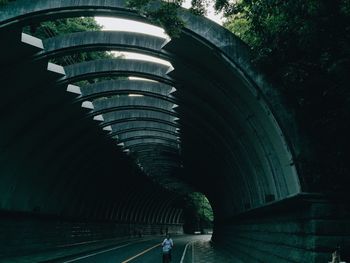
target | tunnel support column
[{"x": 303, "y": 228}]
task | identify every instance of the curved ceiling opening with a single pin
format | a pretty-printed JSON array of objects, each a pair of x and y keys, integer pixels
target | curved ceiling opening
[
  {"x": 138, "y": 56},
  {"x": 119, "y": 24}
]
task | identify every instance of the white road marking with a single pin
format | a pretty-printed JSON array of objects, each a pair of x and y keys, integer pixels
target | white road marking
[
  {"x": 143, "y": 252},
  {"x": 192, "y": 252},
  {"x": 185, "y": 250},
  {"x": 104, "y": 251},
  {"x": 97, "y": 253}
]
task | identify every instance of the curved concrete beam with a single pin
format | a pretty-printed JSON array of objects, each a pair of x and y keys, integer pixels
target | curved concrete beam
[
  {"x": 63, "y": 45},
  {"x": 142, "y": 146},
  {"x": 128, "y": 103},
  {"x": 151, "y": 141},
  {"x": 116, "y": 67},
  {"x": 137, "y": 114},
  {"x": 155, "y": 120},
  {"x": 139, "y": 132},
  {"x": 144, "y": 124},
  {"x": 121, "y": 132},
  {"x": 148, "y": 137},
  {"x": 126, "y": 86}
]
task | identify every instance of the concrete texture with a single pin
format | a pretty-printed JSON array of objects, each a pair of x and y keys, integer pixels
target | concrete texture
[{"x": 238, "y": 141}]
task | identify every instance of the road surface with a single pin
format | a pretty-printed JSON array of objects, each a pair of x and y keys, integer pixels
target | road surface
[{"x": 147, "y": 250}]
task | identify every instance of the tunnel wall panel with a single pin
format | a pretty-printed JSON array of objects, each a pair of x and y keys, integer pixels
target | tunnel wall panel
[
  {"x": 295, "y": 231},
  {"x": 22, "y": 234}
]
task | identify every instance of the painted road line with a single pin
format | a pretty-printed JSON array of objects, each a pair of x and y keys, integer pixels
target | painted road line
[
  {"x": 184, "y": 253},
  {"x": 97, "y": 253},
  {"x": 83, "y": 243},
  {"x": 192, "y": 252},
  {"x": 141, "y": 253}
]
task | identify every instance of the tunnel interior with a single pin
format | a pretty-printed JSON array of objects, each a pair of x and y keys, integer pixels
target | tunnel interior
[{"x": 121, "y": 142}]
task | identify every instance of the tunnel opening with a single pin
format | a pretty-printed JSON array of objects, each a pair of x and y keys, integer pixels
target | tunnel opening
[
  {"x": 111, "y": 147},
  {"x": 198, "y": 214}
]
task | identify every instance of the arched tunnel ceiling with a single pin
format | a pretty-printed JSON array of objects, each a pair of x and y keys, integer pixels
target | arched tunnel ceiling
[{"x": 206, "y": 121}]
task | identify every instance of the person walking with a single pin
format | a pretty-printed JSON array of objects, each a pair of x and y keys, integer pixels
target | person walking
[{"x": 167, "y": 246}]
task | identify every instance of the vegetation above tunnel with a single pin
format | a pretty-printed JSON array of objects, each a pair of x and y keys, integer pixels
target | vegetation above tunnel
[
  {"x": 57, "y": 27},
  {"x": 303, "y": 47}
]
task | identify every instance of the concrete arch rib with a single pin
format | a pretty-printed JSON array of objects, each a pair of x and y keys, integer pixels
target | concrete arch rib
[
  {"x": 145, "y": 138},
  {"x": 138, "y": 112},
  {"x": 121, "y": 132},
  {"x": 137, "y": 119},
  {"x": 161, "y": 146},
  {"x": 102, "y": 40},
  {"x": 159, "y": 163},
  {"x": 142, "y": 215},
  {"x": 116, "y": 67},
  {"x": 152, "y": 141},
  {"x": 128, "y": 103},
  {"x": 153, "y": 152},
  {"x": 133, "y": 134},
  {"x": 126, "y": 86}
]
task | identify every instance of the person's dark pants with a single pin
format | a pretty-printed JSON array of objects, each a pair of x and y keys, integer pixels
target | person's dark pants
[{"x": 166, "y": 257}]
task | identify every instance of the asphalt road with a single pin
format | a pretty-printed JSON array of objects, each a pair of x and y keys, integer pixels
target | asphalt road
[{"x": 142, "y": 251}]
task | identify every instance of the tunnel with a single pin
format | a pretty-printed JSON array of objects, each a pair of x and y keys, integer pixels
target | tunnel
[{"x": 109, "y": 147}]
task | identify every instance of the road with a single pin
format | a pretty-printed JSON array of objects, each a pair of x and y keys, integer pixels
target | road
[{"x": 143, "y": 251}]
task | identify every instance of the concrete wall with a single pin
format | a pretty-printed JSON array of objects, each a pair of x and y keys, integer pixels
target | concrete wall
[
  {"x": 23, "y": 234},
  {"x": 295, "y": 230}
]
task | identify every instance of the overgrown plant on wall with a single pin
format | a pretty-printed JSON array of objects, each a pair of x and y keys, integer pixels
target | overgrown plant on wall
[
  {"x": 65, "y": 26},
  {"x": 303, "y": 47}
]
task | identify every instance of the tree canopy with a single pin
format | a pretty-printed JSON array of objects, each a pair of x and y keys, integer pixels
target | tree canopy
[
  {"x": 198, "y": 213},
  {"x": 65, "y": 26},
  {"x": 303, "y": 48}
]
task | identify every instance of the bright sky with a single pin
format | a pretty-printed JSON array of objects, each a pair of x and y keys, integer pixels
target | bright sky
[
  {"x": 119, "y": 24},
  {"x": 133, "y": 26},
  {"x": 211, "y": 12}
]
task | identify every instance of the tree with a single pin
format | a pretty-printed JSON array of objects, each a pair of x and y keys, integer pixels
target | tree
[
  {"x": 198, "y": 212},
  {"x": 65, "y": 26},
  {"x": 303, "y": 47}
]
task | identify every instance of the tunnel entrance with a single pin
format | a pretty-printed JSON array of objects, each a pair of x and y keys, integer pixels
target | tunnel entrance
[
  {"x": 198, "y": 214},
  {"x": 96, "y": 147}
]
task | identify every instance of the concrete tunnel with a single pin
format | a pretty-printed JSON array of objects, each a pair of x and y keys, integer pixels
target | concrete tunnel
[{"x": 90, "y": 157}]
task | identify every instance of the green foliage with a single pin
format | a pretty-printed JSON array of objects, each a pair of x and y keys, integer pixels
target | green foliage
[
  {"x": 163, "y": 14},
  {"x": 198, "y": 214},
  {"x": 199, "y": 204},
  {"x": 303, "y": 47},
  {"x": 69, "y": 25},
  {"x": 240, "y": 26},
  {"x": 199, "y": 7}
]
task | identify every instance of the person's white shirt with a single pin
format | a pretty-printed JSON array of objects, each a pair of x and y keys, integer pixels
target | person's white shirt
[{"x": 167, "y": 244}]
